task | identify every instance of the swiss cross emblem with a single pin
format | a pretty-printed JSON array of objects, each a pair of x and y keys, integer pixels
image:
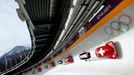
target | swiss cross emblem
[{"x": 101, "y": 52}]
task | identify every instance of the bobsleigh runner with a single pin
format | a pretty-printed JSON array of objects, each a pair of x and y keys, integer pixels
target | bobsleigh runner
[{"x": 107, "y": 51}]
